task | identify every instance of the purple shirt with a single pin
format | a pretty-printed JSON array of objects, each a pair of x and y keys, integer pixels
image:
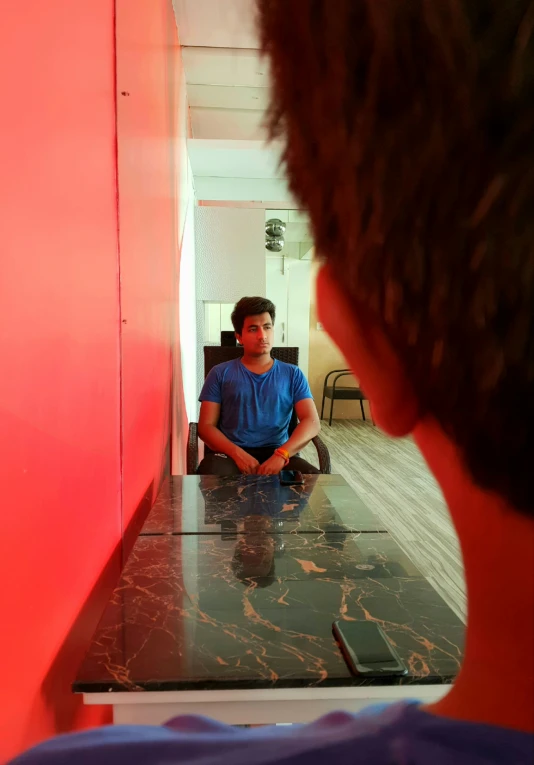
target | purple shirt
[{"x": 400, "y": 734}]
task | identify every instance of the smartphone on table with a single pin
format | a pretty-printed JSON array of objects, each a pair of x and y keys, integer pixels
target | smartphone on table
[
  {"x": 367, "y": 650},
  {"x": 291, "y": 478}
]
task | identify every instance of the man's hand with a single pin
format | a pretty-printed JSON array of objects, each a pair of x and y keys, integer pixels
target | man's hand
[
  {"x": 245, "y": 462},
  {"x": 273, "y": 465}
]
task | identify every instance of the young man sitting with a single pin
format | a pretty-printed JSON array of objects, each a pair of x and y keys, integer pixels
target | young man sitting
[{"x": 247, "y": 404}]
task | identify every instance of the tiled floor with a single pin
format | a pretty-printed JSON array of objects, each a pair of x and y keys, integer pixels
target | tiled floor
[{"x": 392, "y": 478}]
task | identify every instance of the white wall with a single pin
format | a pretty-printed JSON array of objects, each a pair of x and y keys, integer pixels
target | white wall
[
  {"x": 298, "y": 309},
  {"x": 218, "y": 317},
  {"x": 289, "y": 287},
  {"x": 187, "y": 302},
  {"x": 230, "y": 247},
  {"x": 278, "y": 292},
  {"x": 185, "y": 345},
  {"x": 230, "y": 262}
]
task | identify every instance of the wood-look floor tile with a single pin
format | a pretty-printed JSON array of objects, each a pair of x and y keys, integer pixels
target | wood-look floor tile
[{"x": 394, "y": 481}]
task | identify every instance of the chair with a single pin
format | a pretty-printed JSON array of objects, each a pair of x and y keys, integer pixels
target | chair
[
  {"x": 340, "y": 392},
  {"x": 217, "y": 354}
]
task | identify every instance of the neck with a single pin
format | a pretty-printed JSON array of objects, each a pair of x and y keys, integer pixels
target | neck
[
  {"x": 495, "y": 684},
  {"x": 263, "y": 360}
]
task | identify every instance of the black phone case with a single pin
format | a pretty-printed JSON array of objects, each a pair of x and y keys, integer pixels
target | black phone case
[
  {"x": 290, "y": 481},
  {"x": 360, "y": 670}
]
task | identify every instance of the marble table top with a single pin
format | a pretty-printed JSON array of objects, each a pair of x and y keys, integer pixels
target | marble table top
[
  {"x": 255, "y": 610},
  {"x": 326, "y": 504}
]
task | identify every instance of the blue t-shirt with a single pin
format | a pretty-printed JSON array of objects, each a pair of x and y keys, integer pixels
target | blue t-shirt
[
  {"x": 400, "y": 734},
  {"x": 255, "y": 409}
]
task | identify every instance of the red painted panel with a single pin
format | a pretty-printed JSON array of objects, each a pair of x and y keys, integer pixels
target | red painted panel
[
  {"x": 59, "y": 391},
  {"x": 148, "y": 73},
  {"x": 60, "y": 333}
]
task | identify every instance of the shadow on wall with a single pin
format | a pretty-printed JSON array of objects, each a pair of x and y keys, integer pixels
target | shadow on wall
[{"x": 68, "y": 711}]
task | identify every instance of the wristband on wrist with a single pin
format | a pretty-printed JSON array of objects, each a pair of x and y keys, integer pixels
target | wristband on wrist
[{"x": 283, "y": 453}]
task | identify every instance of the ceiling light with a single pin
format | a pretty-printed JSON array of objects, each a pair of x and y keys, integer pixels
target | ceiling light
[
  {"x": 274, "y": 243},
  {"x": 275, "y": 227}
]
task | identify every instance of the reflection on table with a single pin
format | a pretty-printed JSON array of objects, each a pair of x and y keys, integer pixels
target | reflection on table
[
  {"x": 215, "y": 504},
  {"x": 197, "y": 612}
]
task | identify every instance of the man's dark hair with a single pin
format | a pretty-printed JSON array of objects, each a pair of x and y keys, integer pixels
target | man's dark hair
[
  {"x": 409, "y": 130},
  {"x": 251, "y": 306}
]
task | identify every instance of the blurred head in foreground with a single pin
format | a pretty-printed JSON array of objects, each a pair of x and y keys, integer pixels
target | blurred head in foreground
[{"x": 408, "y": 130}]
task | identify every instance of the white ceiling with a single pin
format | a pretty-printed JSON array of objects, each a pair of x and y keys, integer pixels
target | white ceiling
[
  {"x": 228, "y": 91},
  {"x": 227, "y": 80},
  {"x": 238, "y": 171},
  {"x": 239, "y": 159},
  {"x": 225, "y": 66},
  {"x": 238, "y": 124},
  {"x": 217, "y": 23},
  {"x": 227, "y": 97}
]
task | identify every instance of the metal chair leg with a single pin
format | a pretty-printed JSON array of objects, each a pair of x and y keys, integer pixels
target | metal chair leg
[
  {"x": 331, "y": 410},
  {"x": 322, "y": 406},
  {"x": 363, "y": 410}
]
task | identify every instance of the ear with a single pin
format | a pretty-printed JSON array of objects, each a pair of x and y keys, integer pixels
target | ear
[{"x": 369, "y": 354}]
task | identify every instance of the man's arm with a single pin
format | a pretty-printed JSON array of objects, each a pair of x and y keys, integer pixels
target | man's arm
[
  {"x": 309, "y": 426},
  {"x": 208, "y": 431}
]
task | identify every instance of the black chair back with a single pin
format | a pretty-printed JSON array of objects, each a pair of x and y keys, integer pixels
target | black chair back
[
  {"x": 218, "y": 354},
  {"x": 228, "y": 339}
]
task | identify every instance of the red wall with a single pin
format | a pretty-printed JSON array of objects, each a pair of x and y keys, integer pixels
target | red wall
[
  {"x": 60, "y": 339},
  {"x": 148, "y": 62}
]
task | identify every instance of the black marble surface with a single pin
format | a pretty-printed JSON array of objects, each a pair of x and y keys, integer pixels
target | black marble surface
[
  {"x": 219, "y": 505},
  {"x": 197, "y": 612}
]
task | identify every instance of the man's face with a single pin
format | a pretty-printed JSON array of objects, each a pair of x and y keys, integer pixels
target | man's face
[{"x": 257, "y": 335}]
